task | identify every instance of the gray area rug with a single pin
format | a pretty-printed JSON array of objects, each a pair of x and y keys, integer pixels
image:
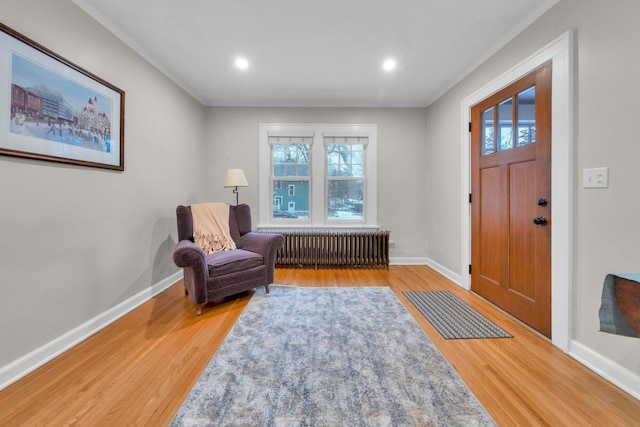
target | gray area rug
[
  {"x": 453, "y": 318},
  {"x": 329, "y": 357}
]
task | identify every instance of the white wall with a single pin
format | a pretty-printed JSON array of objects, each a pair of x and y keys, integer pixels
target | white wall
[
  {"x": 607, "y": 236},
  {"x": 232, "y": 142},
  {"x": 77, "y": 241}
]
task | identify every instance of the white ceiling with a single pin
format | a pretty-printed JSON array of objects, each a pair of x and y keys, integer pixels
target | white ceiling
[{"x": 316, "y": 52}]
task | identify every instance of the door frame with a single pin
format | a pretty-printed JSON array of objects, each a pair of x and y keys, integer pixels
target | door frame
[{"x": 560, "y": 51}]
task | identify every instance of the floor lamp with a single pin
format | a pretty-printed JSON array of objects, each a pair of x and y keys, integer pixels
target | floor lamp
[{"x": 235, "y": 178}]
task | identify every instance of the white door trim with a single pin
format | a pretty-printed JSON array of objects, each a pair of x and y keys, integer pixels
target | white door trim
[{"x": 560, "y": 51}]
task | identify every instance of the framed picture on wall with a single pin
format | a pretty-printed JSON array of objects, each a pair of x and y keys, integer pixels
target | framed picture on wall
[{"x": 51, "y": 109}]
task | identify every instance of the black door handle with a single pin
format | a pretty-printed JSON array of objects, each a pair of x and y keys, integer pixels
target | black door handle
[
  {"x": 542, "y": 202},
  {"x": 540, "y": 220}
]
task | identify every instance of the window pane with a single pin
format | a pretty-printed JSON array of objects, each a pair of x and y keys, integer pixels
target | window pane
[
  {"x": 293, "y": 197},
  {"x": 278, "y": 156},
  {"x": 346, "y": 157},
  {"x": 488, "y": 145},
  {"x": 291, "y": 160},
  {"x": 345, "y": 160},
  {"x": 505, "y": 120},
  {"x": 333, "y": 163},
  {"x": 345, "y": 199},
  {"x": 357, "y": 157},
  {"x": 527, "y": 116},
  {"x": 291, "y": 170}
]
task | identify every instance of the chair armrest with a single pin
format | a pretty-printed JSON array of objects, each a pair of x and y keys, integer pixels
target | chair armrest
[
  {"x": 267, "y": 245},
  {"x": 262, "y": 243},
  {"x": 187, "y": 254},
  {"x": 196, "y": 272}
]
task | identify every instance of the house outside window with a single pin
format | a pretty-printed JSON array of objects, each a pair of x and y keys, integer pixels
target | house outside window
[
  {"x": 318, "y": 175},
  {"x": 290, "y": 171}
]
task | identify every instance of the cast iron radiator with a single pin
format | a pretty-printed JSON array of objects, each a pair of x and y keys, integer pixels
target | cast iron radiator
[{"x": 333, "y": 248}]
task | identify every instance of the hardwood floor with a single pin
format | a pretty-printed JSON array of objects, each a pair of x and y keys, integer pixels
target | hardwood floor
[{"x": 139, "y": 369}]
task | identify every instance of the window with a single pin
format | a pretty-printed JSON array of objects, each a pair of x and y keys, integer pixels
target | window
[
  {"x": 317, "y": 175},
  {"x": 503, "y": 125},
  {"x": 290, "y": 167},
  {"x": 345, "y": 177}
]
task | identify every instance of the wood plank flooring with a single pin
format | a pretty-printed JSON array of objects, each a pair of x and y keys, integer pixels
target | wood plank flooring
[{"x": 138, "y": 370}]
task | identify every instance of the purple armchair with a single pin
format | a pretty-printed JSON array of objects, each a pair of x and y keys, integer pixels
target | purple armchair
[{"x": 217, "y": 275}]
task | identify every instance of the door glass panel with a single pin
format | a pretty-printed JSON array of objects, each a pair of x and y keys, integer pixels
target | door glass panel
[
  {"x": 527, "y": 116},
  {"x": 505, "y": 125},
  {"x": 488, "y": 145}
]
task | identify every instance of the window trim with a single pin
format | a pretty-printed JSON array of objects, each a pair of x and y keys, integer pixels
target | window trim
[{"x": 318, "y": 212}]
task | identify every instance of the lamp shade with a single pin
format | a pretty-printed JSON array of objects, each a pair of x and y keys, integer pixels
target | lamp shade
[{"x": 235, "y": 178}]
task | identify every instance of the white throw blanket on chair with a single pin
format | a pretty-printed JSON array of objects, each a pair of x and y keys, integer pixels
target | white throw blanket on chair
[{"x": 211, "y": 227}]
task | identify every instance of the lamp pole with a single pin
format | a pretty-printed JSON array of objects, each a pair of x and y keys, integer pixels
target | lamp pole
[{"x": 235, "y": 190}]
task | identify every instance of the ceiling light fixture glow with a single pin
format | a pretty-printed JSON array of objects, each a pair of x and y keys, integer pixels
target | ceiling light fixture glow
[
  {"x": 242, "y": 63},
  {"x": 389, "y": 64}
]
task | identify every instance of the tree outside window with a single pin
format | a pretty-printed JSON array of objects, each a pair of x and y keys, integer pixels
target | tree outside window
[{"x": 345, "y": 178}]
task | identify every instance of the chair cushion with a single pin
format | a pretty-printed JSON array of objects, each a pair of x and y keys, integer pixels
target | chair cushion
[{"x": 226, "y": 262}]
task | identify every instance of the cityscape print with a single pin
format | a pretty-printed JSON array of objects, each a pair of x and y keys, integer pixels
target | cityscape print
[{"x": 49, "y": 106}]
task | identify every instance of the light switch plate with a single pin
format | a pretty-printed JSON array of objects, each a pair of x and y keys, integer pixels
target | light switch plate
[{"x": 595, "y": 178}]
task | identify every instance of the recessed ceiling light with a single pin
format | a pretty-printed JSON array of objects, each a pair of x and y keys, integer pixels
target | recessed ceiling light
[
  {"x": 242, "y": 63},
  {"x": 389, "y": 64}
]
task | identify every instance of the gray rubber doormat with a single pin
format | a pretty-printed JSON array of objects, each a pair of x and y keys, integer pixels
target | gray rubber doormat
[{"x": 453, "y": 318}]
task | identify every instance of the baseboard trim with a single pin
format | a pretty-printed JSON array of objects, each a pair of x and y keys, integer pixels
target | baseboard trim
[
  {"x": 407, "y": 261},
  {"x": 606, "y": 368},
  {"x": 30, "y": 362},
  {"x": 454, "y": 277}
]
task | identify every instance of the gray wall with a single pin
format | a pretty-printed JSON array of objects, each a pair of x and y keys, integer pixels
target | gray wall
[
  {"x": 77, "y": 241},
  {"x": 232, "y": 142},
  {"x": 607, "y": 235}
]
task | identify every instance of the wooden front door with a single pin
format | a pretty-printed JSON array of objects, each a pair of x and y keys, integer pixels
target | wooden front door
[{"x": 511, "y": 199}]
